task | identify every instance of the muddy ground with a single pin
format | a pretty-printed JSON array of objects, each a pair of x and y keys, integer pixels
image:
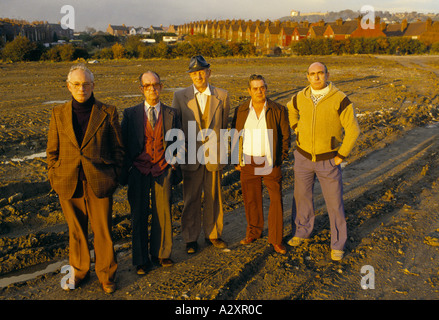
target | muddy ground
[{"x": 391, "y": 183}]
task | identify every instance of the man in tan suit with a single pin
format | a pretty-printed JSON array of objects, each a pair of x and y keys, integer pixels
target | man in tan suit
[
  {"x": 84, "y": 157},
  {"x": 204, "y": 111}
]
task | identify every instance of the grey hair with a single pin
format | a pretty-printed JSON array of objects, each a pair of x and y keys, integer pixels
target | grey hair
[
  {"x": 82, "y": 67},
  {"x": 152, "y": 72}
]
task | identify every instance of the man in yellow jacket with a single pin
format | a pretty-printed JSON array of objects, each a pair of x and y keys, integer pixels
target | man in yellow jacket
[{"x": 326, "y": 128}]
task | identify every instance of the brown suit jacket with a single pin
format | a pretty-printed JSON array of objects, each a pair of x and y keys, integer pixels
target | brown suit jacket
[
  {"x": 100, "y": 155},
  {"x": 218, "y": 107},
  {"x": 276, "y": 118}
]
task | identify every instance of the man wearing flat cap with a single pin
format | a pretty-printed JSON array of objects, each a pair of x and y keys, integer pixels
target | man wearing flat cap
[{"x": 204, "y": 111}]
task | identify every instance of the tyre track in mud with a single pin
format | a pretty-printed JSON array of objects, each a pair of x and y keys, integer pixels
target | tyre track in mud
[
  {"x": 257, "y": 272},
  {"x": 370, "y": 198},
  {"x": 373, "y": 192}
]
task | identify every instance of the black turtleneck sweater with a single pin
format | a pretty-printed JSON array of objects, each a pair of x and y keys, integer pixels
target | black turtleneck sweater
[{"x": 81, "y": 115}]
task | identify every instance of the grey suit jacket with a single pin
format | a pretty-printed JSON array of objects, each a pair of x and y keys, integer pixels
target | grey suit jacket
[{"x": 185, "y": 103}]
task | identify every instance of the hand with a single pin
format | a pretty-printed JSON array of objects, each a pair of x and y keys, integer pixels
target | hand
[
  {"x": 238, "y": 167},
  {"x": 337, "y": 160}
]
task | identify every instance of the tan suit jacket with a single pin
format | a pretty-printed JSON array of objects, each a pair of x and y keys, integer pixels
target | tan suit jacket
[
  {"x": 100, "y": 155},
  {"x": 218, "y": 107}
]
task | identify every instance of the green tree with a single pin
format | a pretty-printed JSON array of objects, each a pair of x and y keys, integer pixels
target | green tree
[
  {"x": 132, "y": 46},
  {"x": 105, "y": 53},
  {"x": 66, "y": 52},
  {"x": 118, "y": 51},
  {"x": 20, "y": 49}
]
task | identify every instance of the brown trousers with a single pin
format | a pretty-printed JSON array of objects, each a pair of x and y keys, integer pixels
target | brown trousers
[
  {"x": 251, "y": 185},
  {"x": 77, "y": 211}
]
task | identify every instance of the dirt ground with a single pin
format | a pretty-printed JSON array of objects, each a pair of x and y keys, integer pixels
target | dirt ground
[{"x": 391, "y": 185}]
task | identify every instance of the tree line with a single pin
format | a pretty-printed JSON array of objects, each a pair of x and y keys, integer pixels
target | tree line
[
  {"x": 381, "y": 45},
  {"x": 109, "y": 47}
]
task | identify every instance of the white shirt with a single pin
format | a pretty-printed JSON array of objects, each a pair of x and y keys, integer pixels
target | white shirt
[
  {"x": 255, "y": 141},
  {"x": 202, "y": 97}
]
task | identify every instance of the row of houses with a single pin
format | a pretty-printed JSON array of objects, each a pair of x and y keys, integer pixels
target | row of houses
[
  {"x": 36, "y": 31},
  {"x": 122, "y": 30},
  {"x": 267, "y": 35}
]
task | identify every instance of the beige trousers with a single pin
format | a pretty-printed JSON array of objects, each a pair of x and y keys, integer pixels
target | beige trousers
[{"x": 194, "y": 184}]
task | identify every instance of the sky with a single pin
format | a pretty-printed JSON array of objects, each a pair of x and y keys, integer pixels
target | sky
[{"x": 99, "y": 13}]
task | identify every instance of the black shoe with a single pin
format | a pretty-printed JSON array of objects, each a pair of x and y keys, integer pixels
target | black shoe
[
  {"x": 191, "y": 247},
  {"x": 143, "y": 269}
]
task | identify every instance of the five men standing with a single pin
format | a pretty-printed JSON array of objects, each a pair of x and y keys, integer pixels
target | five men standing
[{"x": 88, "y": 154}]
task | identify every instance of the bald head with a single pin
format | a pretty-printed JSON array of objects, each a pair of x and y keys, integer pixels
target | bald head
[
  {"x": 318, "y": 64},
  {"x": 318, "y": 75}
]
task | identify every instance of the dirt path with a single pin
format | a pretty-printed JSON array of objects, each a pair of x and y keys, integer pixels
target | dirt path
[{"x": 391, "y": 202}]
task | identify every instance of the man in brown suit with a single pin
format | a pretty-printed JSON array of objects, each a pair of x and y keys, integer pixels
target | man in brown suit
[
  {"x": 84, "y": 157},
  {"x": 204, "y": 111},
  {"x": 263, "y": 134}
]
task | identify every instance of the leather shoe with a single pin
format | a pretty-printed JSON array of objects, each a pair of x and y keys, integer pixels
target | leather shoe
[
  {"x": 247, "y": 240},
  {"x": 217, "y": 243},
  {"x": 191, "y": 247},
  {"x": 279, "y": 248},
  {"x": 164, "y": 262},
  {"x": 143, "y": 269},
  {"x": 109, "y": 287},
  {"x": 72, "y": 284}
]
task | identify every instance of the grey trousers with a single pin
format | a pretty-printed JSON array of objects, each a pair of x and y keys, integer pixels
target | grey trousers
[
  {"x": 150, "y": 195},
  {"x": 330, "y": 178}
]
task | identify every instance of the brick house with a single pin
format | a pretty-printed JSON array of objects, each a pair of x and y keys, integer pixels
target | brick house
[{"x": 117, "y": 30}]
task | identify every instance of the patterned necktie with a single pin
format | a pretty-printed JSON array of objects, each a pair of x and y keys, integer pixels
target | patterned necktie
[{"x": 151, "y": 116}]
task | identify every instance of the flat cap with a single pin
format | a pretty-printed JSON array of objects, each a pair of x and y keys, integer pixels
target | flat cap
[{"x": 198, "y": 63}]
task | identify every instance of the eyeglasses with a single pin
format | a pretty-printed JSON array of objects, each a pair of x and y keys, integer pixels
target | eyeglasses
[
  {"x": 151, "y": 86},
  {"x": 85, "y": 85}
]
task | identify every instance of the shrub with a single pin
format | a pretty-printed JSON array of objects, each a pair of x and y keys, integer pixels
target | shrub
[
  {"x": 435, "y": 47},
  {"x": 20, "y": 49},
  {"x": 118, "y": 51}
]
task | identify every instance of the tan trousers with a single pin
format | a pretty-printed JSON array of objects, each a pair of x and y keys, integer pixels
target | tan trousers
[
  {"x": 194, "y": 183},
  {"x": 77, "y": 211}
]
